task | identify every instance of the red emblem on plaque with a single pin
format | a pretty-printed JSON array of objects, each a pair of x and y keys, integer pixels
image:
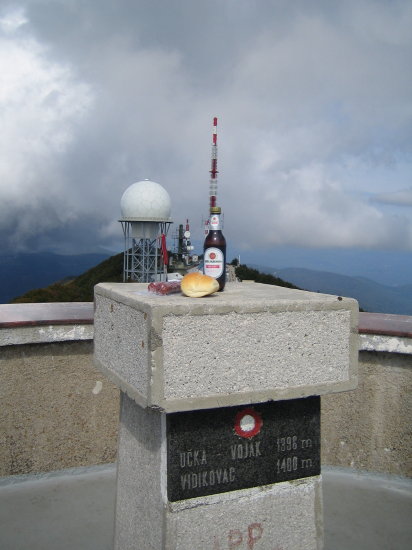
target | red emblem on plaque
[
  {"x": 248, "y": 423},
  {"x": 212, "y": 256}
]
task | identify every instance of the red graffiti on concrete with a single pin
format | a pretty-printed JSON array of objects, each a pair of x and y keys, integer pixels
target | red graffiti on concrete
[{"x": 243, "y": 539}]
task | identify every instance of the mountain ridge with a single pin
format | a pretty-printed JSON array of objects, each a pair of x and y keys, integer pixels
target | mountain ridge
[
  {"x": 371, "y": 295},
  {"x": 29, "y": 273}
]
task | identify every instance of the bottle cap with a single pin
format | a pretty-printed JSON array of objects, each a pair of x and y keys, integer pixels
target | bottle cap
[{"x": 215, "y": 210}]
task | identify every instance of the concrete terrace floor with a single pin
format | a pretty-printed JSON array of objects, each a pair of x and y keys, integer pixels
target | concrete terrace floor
[{"x": 74, "y": 509}]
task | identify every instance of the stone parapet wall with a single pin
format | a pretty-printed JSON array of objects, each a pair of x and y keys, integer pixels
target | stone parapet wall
[
  {"x": 369, "y": 428},
  {"x": 57, "y": 411}
]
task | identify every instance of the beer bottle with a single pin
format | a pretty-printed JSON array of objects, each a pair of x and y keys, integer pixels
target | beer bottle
[{"x": 214, "y": 249}]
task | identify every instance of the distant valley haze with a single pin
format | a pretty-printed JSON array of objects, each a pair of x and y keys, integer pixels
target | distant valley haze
[{"x": 21, "y": 273}]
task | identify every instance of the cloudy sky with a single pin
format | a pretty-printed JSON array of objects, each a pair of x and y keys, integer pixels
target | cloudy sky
[{"x": 314, "y": 101}]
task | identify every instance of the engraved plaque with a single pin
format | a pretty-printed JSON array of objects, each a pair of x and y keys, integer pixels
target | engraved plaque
[{"x": 217, "y": 450}]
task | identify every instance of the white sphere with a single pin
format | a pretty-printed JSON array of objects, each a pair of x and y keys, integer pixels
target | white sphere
[{"x": 146, "y": 200}]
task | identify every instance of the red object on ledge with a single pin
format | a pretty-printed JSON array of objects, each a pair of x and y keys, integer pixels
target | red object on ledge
[
  {"x": 50, "y": 313},
  {"x": 386, "y": 324}
]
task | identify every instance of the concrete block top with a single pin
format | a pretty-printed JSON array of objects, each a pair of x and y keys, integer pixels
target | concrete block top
[{"x": 251, "y": 343}]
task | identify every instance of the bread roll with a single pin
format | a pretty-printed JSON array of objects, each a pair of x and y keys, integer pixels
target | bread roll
[{"x": 197, "y": 285}]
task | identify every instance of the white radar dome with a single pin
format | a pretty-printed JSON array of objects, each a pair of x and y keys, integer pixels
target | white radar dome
[{"x": 146, "y": 201}]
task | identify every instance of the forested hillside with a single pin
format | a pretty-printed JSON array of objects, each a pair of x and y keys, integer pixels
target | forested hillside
[{"x": 79, "y": 289}]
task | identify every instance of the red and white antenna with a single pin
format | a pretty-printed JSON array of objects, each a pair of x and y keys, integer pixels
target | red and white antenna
[{"x": 213, "y": 171}]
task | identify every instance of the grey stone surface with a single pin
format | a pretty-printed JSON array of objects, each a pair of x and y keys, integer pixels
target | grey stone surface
[
  {"x": 356, "y": 517},
  {"x": 57, "y": 411},
  {"x": 287, "y": 515},
  {"x": 74, "y": 509},
  {"x": 139, "y": 502},
  {"x": 369, "y": 428},
  {"x": 250, "y": 343},
  {"x": 381, "y": 342},
  {"x": 121, "y": 343},
  {"x": 71, "y": 509},
  {"x": 281, "y": 516},
  {"x": 39, "y": 334},
  {"x": 231, "y": 353},
  {"x": 366, "y": 511}
]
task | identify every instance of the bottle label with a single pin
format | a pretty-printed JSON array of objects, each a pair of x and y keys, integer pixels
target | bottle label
[
  {"x": 213, "y": 262},
  {"x": 214, "y": 222}
]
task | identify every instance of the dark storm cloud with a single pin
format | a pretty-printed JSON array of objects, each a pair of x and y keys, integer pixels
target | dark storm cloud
[{"x": 312, "y": 97}]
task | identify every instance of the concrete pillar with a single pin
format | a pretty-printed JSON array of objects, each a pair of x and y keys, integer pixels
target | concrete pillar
[{"x": 219, "y": 442}]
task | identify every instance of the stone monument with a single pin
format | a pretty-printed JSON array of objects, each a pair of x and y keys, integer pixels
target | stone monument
[{"x": 219, "y": 443}]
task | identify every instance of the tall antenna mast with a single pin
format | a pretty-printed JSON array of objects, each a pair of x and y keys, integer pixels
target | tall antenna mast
[{"x": 213, "y": 171}]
